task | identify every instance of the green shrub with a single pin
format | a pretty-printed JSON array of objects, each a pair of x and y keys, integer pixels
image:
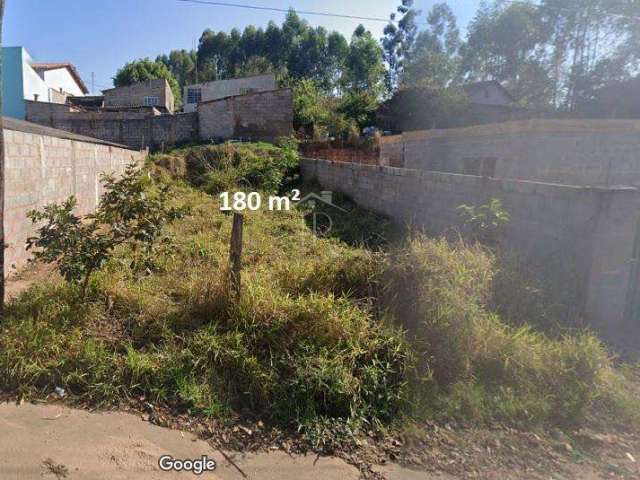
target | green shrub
[
  {"x": 132, "y": 212},
  {"x": 257, "y": 166},
  {"x": 473, "y": 365}
]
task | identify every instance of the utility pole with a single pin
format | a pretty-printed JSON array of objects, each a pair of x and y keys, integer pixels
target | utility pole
[
  {"x": 2, "y": 162},
  {"x": 196, "y": 61}
]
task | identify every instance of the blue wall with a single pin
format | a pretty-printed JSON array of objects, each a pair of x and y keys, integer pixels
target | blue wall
[{"x": 12, "y": 83}]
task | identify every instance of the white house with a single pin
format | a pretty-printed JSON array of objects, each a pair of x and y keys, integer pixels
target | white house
[{"x": 23, "y": 79}]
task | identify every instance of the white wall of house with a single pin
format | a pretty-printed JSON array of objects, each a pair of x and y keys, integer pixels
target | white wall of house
[
  {"x": 61, "y": 78},
  {"x": 32, "y": 83}
]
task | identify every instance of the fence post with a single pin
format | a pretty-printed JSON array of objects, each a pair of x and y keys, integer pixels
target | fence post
[{"x": 235, "y": 256}]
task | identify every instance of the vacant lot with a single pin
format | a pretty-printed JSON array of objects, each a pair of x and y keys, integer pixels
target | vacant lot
[{"x": 370, "y": 333}]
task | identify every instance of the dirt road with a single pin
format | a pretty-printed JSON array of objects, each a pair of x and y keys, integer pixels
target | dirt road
[{"x": 55, "y": 442}]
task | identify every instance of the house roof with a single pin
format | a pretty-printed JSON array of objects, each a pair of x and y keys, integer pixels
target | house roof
[
  {"x": 69, "y": 66},
  {"x": 476, "y": 87}
]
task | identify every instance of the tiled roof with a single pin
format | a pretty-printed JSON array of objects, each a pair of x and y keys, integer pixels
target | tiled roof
[{"x": 69, "y": 66}]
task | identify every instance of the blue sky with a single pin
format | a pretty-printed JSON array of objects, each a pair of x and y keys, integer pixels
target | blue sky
[{"x": 101, "y": 35}]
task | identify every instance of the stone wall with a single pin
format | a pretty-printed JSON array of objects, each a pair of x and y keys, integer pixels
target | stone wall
[
  {"x": 42, "y": 166},
  {"x": 576, "y": 152},
  {"x": 259, "y": 115},
  {"x": 589, "y": 232}
]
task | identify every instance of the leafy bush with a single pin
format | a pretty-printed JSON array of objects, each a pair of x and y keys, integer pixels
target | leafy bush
[
  {"x": 260, "y": 166},
  {"x": 131, "y": 212},
  {"x": 485, "y": 221}
]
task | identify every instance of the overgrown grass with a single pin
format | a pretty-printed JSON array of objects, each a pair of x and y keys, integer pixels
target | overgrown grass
[
  {"x": 328, "y": 334},
  {"x": 302, "y": 344},
  {"x": 472, "y": 365}
]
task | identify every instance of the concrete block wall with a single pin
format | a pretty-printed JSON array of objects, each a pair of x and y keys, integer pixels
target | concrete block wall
[
  {"x": 594, "y": 229},
  {"x": 132, "y": 128},
  {"x": 218, "y": 89},
  {"x": 259, "y": 115},
  {"x": 575, "y": 152},
  {"x": 392, "y": 151},
  {"x": 41, "y": 169},
  {"x": 133, "y": 95}
]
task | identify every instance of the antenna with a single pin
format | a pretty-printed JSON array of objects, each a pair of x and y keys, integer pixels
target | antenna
[{"x": 196, "y": 50}]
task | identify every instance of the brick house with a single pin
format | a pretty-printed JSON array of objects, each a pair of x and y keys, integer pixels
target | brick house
[{"x": 151, "y": 93}]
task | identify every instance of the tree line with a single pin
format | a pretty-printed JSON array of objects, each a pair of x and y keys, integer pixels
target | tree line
[{"x": 555, "y": 54}]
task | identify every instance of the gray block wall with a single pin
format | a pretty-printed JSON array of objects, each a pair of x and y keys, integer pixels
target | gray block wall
[
  {"x": 45, "y": 168},
  {"x": 593, "y": 228},
  {"x": 575, "y": 152},
  {"x": 260, "y": 115}
]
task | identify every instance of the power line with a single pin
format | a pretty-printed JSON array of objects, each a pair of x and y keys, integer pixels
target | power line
[{"x": 286, "y": 10}]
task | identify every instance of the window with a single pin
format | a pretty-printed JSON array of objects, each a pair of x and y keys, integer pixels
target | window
[
  {"x": 194, "y": 95},
  {"x": 151, "y": 101}
]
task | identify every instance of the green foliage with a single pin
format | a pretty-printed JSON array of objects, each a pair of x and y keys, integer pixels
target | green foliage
[
  {"x": 485, "y": 221},
  {"x": 145, "y": 69},
  {"x": 293, "y": 51},
  {"x": 471, "y": 364},
  {"x": 256, "y": 166},
  {"x": 326, "y": 116},
  {"x": 182, "y": 64},
  {"x": 434, "y": 60},
  {"x": 311, "y": 342},
  {"x": 131, "y": 212},
  {"x": 398, "y": 41}
]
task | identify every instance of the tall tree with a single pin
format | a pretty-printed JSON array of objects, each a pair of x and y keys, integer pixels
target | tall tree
[
  {"x": 434, "y": 60},
  {"x": 398, "y": 40},
  {"x": 363, "y": 77},
  {"x": 182, "y": 64},
  {"x": 508, "y": 42},
  {"x": 583, "y": 33}
]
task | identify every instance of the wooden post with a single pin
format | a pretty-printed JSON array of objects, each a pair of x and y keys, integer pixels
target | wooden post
[
  {"x": 235, "y": 256},
  {"x": 2, "y": 164}
]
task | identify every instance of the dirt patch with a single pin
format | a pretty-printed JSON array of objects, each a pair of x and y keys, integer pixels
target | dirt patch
[
  {"x": 31, "y": 274},
  {"x": 54, "y": 441}
]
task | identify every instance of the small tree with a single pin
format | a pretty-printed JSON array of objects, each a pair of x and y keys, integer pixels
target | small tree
[
  {"x": 485, "y": 221},
  {"x": 133, "y": 212}
]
